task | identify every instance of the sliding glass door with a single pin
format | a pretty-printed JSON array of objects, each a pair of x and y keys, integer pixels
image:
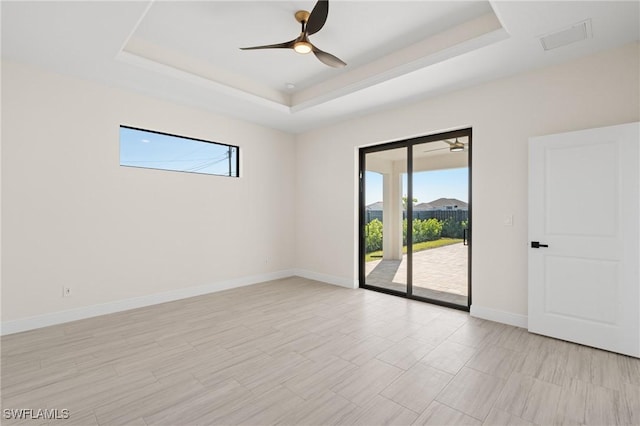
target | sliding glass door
[{"x": 415, "y": 221}]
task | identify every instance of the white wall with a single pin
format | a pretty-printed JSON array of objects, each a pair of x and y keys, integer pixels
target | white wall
[
  {"x": 590, "y": 92},
  {"x": 72, "y": 216}
]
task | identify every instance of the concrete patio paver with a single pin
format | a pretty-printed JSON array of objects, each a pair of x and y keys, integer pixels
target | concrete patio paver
[{"x": 438, "y": 273}]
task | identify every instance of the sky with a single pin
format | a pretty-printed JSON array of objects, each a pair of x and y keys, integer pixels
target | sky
[
  {"x": 140, "y": 148},
  {"x": 427, "y": 186}
]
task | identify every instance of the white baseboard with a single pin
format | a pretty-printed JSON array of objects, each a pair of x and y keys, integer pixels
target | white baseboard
[
  {"x": 16, "y": 326},
  {"x": 329, "y": 279},
  {"x": 509, "y": 318}
]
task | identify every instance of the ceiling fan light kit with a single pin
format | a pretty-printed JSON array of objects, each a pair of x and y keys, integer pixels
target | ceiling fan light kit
[
  {"x": 311, "y": 24},
  {"x": 302, "y": 46}
]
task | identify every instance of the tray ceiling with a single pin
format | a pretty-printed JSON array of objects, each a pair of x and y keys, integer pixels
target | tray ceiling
[{"x": 397, "y": 51}]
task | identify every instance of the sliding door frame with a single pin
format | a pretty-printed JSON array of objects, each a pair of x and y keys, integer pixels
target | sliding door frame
[{"x": 409, "y": 144}]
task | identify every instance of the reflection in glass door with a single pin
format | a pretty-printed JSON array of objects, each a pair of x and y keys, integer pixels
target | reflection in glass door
[{"x": 415, "y": 221}]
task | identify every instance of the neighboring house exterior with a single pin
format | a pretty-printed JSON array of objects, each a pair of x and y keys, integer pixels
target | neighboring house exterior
[
  {"x": 445, "y": 204},
  {"x": 423, "y": 207},
  {"x": 377, "y": 206},
  {"x": 441, "y": 209},
  {"x": 439, "y": 204}
]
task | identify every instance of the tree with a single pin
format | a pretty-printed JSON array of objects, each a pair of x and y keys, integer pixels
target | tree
[{"x": 404, "y": 202}]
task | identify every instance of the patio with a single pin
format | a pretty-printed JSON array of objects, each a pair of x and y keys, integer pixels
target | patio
[{"x": 439, "y": 273}]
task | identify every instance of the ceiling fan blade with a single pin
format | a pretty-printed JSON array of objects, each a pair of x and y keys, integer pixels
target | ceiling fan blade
[
  {"x": 453, "y": 143},
  {"x": 318, "y": 17},
  {"x": 328, "y": 58},
  {"x": 286, "y": 45},
  {"x": 436, "y": 149}
]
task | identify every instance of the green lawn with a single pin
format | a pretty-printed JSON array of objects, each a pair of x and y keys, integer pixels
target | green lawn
[{"x": 377, "y": 255}]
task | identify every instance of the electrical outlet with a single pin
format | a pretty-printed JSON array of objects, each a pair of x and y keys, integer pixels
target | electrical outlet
[
  {"x": 66, "y": 291},
  {"x": 508, "y": 220}
]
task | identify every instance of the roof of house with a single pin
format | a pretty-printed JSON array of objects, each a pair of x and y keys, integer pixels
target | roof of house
[
  {"x": 438, "y": 204},
  {"x": 423, "y": 206},
  {"x": 443, "y": 202}
]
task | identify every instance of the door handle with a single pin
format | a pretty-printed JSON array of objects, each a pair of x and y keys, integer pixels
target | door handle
[{"x": 536, "y": 244}]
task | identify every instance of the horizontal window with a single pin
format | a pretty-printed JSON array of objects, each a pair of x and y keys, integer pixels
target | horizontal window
[{"x": 156, "y": 150}]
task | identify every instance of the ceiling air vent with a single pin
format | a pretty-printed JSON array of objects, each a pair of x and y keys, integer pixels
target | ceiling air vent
[{"x": 578, "y": 32}]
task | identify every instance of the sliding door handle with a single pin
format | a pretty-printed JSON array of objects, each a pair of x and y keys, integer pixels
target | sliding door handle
[{"x": 536, "y": 244}]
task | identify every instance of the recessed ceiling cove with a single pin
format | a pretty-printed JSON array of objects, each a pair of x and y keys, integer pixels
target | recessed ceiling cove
[
  {"x": 397, "y": 52},
  {"x": 199, "y": 42}
]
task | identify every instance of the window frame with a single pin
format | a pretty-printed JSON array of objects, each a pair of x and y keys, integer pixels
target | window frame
[{"x": 229, "y": 146}]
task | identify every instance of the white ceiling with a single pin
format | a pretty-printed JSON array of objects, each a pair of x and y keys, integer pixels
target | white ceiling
[{"x": 397, "y": 51}]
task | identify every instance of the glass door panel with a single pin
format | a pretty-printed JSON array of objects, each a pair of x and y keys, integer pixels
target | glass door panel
[
  {"x": 385, "y": 259},
  {"x": 440, "y": 178}
]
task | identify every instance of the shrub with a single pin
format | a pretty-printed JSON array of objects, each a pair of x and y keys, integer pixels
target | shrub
[
  {"x": 373, "y": 236},
  {"x": 423, "y": 230},
  {"x": 452, "y": 228},
  {"x": 427, "y": 230}
]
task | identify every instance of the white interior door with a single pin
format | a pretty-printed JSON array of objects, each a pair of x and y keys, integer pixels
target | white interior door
[{"x": 584, "y": 205}]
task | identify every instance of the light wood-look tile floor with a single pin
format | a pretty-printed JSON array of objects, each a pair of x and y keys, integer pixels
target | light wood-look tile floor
[{"x": 295, "y": 351}]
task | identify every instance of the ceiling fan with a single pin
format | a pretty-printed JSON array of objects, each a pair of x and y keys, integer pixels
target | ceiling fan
[
  {"x": 456, "y": 146},
  {"x": 311, "y": 24}
]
